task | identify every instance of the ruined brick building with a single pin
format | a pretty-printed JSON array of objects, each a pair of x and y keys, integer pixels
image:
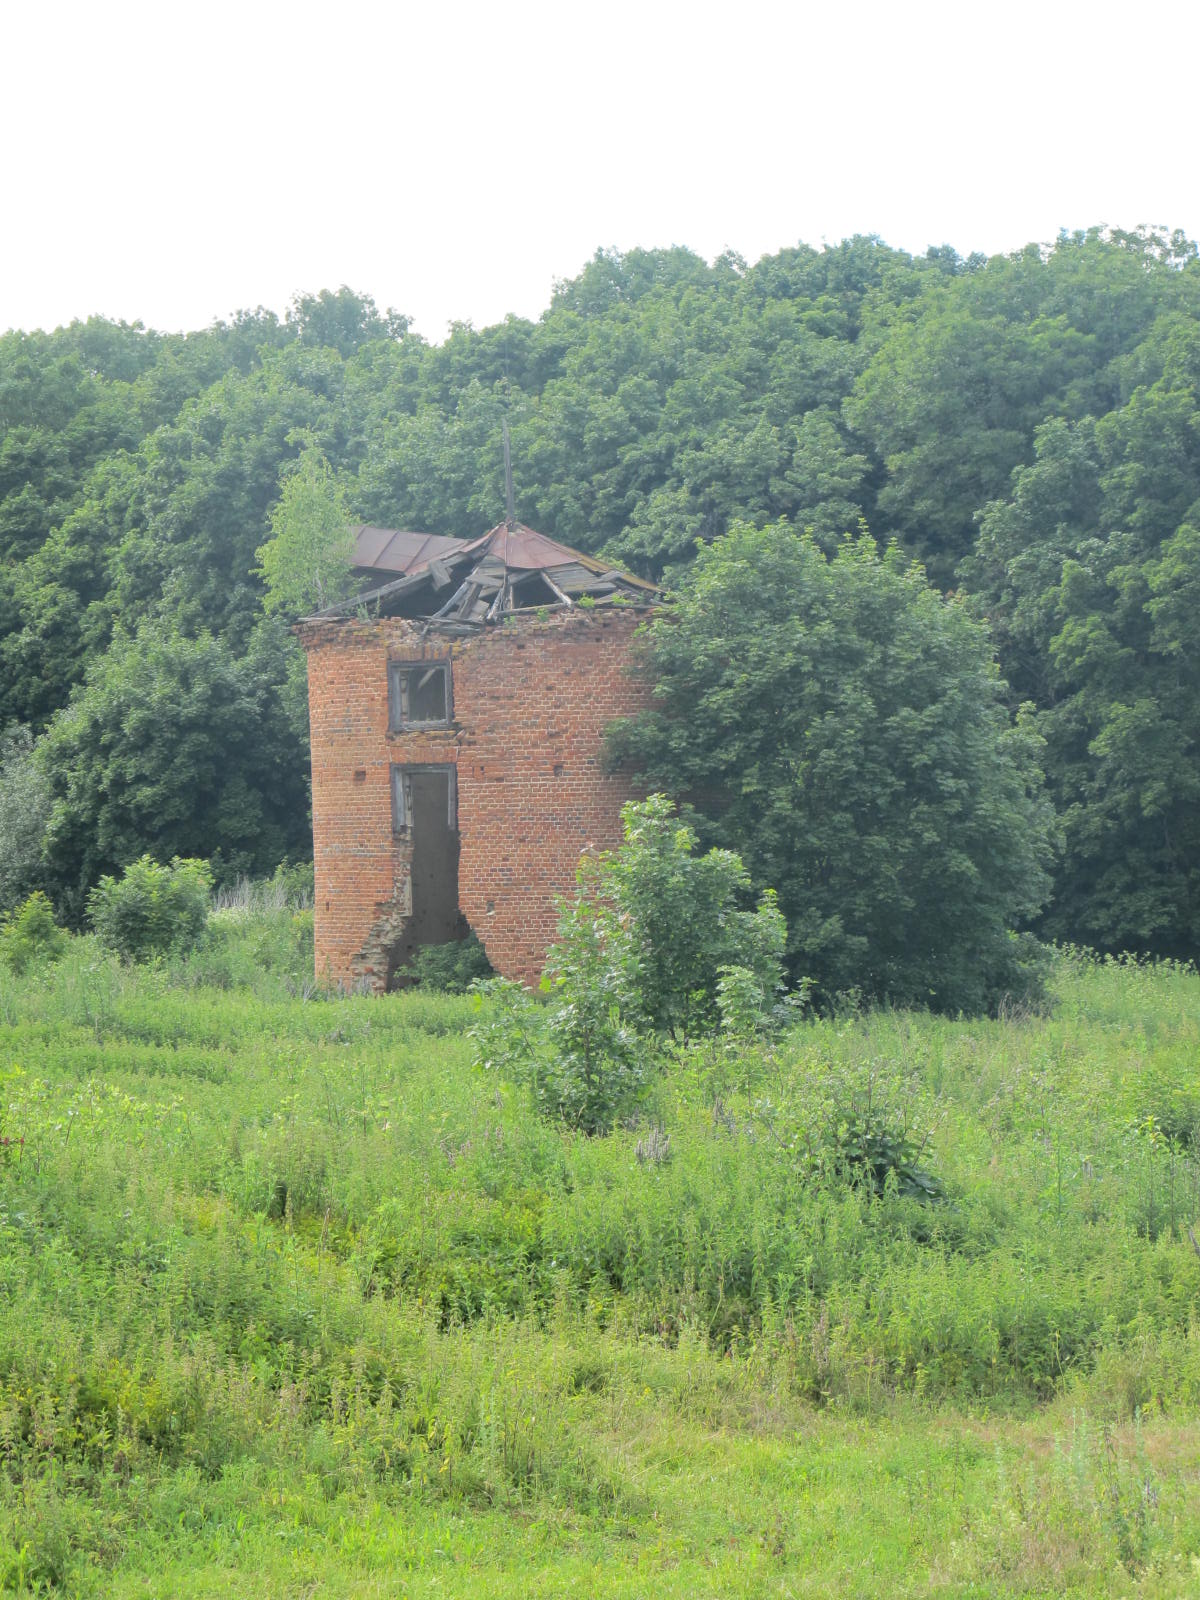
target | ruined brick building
[{"x": 457, "y": 711}]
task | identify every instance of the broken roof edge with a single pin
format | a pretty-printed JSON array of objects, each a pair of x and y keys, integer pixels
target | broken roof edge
[
  {"x": 324, "y": 630},
  {"x": 586, "y": 606},
  {"x": 489, "y": 571}
]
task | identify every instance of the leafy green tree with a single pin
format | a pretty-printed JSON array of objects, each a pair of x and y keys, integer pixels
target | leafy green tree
[
  {"x": 593, "y": 1065},
  {"x": 62, "y": 617},
  {"x": 342, "y": 320},
  {"x": 844, "y": 727},
  {"x": 950, "y": 401},
  {"x": 305, "y": 565},
  {"x": 24, "y": 812},
  {"x": 442, "y": 473},
  {"x": 1089, "y": 570},
  {"x": 657, "y": 940},
  {"x": 174, "y": 747},
  {"x": 829, "y": 479},
  {"x": 659, "y": 400},
  {"x": 205, "y": 487},
  {"x": 581, "y": 1055}
]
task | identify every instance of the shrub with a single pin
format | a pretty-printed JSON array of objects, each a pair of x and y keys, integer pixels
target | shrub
[
  {"x": 174, "y": 745},
  {"x": 30, "y": 935},
  {"x": 581, "y": 1055},
  {"x": 510, "y": 1030},
  {"x": 294, "y": 883},
  {"x": 270, "y": 952},
  {"x": 594, "y": 1066},
  {"x": 654, "y": 943},
  {"x": 871, "y": 1150},
  {"x": 451, "y": 968},
  {"x": 289, "y": 888},
  {"x": 152, "y": 910},
  {"x": 685, "y": 917},
  {"x": 857, "y": 1123}
]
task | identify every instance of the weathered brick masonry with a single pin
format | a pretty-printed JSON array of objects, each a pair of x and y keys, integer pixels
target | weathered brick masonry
[{"x": 531, "y": 701}]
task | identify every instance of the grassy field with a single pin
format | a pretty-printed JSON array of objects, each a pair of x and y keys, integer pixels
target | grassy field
[{"x": 296, "y": 1300}]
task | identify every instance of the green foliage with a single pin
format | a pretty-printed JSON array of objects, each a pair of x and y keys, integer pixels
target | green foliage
[
  {"x": 581, "y": 1054},
  {"x": 743, "y": 1002},
  {"x": 451, "y": 968},
  {"x": 1023, "y": 424},
  {"x": 266, "y": 948},
  {"x": 508, "y": 1033},
  {"x": 843, "y": 726},
  {"x": 152, "y": 910},
  {"x": 175, "y": 746},
  {"x": 292, "y": 884},
  {"x": 855, "y": 1124},
  {"x": 286, "y": 1286},
  {"x": 342, "y": 320},
  {"x": 872, "y": 1152},
  {"x": 594, "y": 1062},
  {"x": 643, "y": 950},
  {"x": 30, "y": 936},
  {"x": 1091, "y": 570},
  {"x": 684, "y": 916},
  {"x": 305, "y": 565},
  {"x": 24, "y": 813}
]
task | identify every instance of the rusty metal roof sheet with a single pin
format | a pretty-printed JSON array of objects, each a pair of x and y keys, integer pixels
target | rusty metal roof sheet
[{"x": 397, "y": 549}]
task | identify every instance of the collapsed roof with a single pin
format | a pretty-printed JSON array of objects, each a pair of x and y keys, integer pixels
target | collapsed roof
[{"x": 458, "y": 585}]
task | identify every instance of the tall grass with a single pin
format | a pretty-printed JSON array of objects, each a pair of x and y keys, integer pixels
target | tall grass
[{"x": 241, "y": 1230}]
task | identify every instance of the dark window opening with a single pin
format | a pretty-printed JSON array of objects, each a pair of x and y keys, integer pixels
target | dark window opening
[{"x": 419, "y": 694}]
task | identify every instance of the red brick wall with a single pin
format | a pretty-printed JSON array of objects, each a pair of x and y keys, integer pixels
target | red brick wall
[{"x": 531, "y": 702}]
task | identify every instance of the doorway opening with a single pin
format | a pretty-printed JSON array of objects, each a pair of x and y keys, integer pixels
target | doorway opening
[{"x": 425, "y": 823}]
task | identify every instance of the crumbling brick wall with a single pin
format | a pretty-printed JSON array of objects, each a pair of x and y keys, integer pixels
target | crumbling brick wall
[{"x": 531, "y": 701}]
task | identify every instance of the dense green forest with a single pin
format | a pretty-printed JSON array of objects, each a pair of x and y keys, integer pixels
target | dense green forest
[{"x": 1028, "y": 425}]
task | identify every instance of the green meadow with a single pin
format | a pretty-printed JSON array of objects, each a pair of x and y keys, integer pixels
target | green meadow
[{"x": 297, "y": 1299}]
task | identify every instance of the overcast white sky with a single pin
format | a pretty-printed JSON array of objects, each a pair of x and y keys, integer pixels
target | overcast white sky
[{"x": 174, "y": 163}]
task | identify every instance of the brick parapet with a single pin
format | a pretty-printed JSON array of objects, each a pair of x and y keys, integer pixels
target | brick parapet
[{"x": 532, "y": 700}]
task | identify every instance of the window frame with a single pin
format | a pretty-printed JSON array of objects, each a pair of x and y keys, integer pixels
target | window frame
[
  {"x": 399, "y": 695},
  {"x": 402, "y": 772}
]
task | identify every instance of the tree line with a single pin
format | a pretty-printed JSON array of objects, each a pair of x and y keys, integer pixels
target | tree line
[{"x": 1027, "y": 426}]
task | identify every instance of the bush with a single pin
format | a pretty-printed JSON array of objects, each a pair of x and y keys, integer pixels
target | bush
[
  {"x": 685, "y": 919},
  {"x": 857, "y": 1123},
  {"x": 654, "y": 943},
  {"x": 451, "y": 968},
  {"x": 30, "y": 935},
  {"x": 289, "y": 888},
  {"x": 173, "y": 745},
  {"x": 594, "y": 1066},
  {"x": 581, "y": 1056},
  {"x": 152, "y": 910}
]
